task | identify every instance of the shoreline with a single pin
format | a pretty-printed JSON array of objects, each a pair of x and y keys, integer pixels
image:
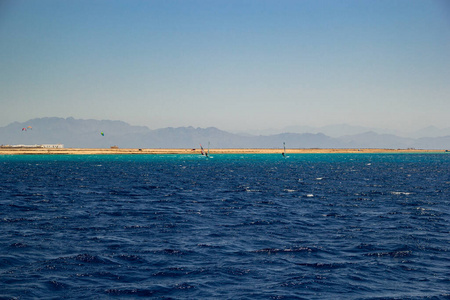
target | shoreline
[{"x": 106, "y": 151}]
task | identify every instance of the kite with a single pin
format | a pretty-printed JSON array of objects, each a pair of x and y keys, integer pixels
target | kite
[{"x": 102, "y": 133}]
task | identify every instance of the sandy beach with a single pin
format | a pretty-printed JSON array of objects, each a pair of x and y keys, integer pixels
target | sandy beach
[{"x": 65, "y": 151}]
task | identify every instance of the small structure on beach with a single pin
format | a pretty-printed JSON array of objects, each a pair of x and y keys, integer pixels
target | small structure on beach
[
  {"x": 46, "y": 146},
  {"x": 52, "y": 146}
]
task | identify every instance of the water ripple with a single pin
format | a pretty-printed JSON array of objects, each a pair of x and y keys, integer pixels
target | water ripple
[{"x": 364, "y": 226}]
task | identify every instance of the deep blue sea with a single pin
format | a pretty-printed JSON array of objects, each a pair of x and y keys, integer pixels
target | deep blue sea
[{"x": 312, "y": 226}]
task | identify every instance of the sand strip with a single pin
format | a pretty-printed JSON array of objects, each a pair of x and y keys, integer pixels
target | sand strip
[{"x": 25, "y": 151}]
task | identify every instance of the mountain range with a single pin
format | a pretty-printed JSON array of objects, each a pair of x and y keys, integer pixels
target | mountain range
[{"x": 80, "y": 133}]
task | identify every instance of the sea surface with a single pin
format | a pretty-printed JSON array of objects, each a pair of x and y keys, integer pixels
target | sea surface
[{"x": 311, "y": 226}]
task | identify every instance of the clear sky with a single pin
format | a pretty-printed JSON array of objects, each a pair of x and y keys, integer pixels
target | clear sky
[{"x": 235, "y": 65}]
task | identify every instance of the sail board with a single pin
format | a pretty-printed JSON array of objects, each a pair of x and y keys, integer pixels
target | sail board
[
  {"x": 284, "y": 150},
  {"x": 202, "y": 150}
]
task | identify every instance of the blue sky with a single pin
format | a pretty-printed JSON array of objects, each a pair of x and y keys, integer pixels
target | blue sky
[{"x": 236, "y": 65}]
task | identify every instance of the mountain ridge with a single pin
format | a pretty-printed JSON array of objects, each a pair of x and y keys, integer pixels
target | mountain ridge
[{"x": 86, "y": 133}]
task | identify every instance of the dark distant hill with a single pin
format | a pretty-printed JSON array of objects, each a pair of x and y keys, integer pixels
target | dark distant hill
[{"x": 77, "y": 133}]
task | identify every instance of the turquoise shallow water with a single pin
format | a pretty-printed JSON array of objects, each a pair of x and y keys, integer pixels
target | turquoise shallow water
[{"x": 312, "y": 226}]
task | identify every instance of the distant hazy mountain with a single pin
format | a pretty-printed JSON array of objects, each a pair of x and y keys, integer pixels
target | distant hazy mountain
[
  {"x": 76, "y": 133},
  {"x": 374, "y": 140},
  {"x": 70, "y": 132},
  {"x": 430, "y": 132},
  {"x": 330, "y": 130},
  {"x": 341, "y": 130}
]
